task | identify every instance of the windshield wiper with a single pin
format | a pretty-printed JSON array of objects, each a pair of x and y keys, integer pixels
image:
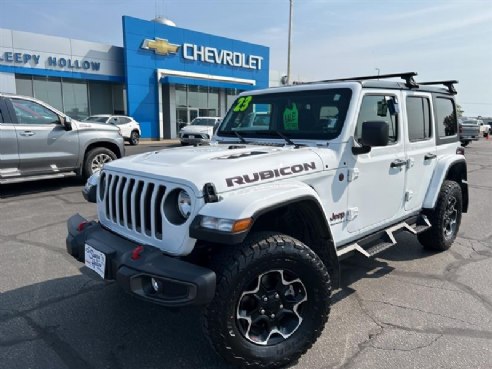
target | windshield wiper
[
  {"x": 287, "y": 139},
  {"x": 241, "y": 138}
]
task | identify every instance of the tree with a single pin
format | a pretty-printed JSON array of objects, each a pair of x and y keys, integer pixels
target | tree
[{"x": 459, "y": 110}]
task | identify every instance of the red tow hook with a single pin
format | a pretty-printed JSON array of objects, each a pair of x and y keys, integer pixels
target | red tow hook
[
  {"x": 82, "y": 226},
  {"x": 136, "y": 252}
]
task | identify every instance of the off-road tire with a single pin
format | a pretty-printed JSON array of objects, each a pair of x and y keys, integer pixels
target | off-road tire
[
  {"x": 465, "y": 143},
  {"x": 92, "y": 155},
  {"x": 260, "y": 254},
  {"x": 134, "y": 138},
  {"x": 440, "y": 236}
]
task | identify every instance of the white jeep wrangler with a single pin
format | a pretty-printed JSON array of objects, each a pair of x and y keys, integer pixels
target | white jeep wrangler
[{"x": 253, "y": 225}]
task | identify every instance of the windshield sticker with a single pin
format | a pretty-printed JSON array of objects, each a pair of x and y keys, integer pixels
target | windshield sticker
[
  {"x": 243, "y": 103},
  {"x": 291, "y": 117}
]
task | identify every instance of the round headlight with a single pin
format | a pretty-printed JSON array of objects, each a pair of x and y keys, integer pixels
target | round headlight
[{"x": 184, "y": 204}]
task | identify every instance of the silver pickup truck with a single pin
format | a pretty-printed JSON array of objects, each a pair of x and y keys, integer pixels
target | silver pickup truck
[
  {"x": 39, "y": 142},
  {"x": 469, "y": 131}
]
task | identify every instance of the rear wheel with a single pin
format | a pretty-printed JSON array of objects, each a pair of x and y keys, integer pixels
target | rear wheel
[
  {"x": 445, "y": 218},
  {"x": 271, "y": 303},
  {"x": 465, "y": 143}
]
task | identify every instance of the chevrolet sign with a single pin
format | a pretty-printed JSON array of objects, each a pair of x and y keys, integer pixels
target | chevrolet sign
[
  {"x": 160, "y": 46},
  {"x": 204, "y": 54},
  {"x": 225, "y": 57}
]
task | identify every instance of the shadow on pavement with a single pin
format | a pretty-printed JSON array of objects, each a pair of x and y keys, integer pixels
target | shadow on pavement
[
  {"x": 359, "y": 267},
  {"x": 36, "y": 187},
  {"x": 88, "y": 323},
  {"x": 99, "y": 326}
]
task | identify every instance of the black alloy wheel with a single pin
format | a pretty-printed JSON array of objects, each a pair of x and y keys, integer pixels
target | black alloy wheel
[{"x": 271, "y": 302}]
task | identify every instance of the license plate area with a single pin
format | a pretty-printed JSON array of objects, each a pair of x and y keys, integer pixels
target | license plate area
[{"x": 95, "y": 260}]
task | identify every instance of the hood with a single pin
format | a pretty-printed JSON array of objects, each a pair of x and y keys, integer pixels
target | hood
[
  {"x": 94, "y": 126},
  {"x": 227, "y": 167}
]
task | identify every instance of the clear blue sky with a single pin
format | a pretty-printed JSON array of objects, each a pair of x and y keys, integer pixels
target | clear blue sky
[{"x": 439, "y": 39}]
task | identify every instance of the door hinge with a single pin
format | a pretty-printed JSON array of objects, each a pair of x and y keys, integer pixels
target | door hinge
[
  {"x": 352, "y": 174},
  {"x": 352, "y": 213},
  {"x": 410, "y": 162}
]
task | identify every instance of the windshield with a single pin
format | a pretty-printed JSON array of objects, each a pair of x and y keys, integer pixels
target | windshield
[
  {"x": 318, "y": 114},
  {"x": 96, "y": 119},
  {"x": 203, "y": 122}
]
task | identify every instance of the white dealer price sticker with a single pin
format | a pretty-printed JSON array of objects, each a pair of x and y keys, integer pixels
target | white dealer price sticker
[{"x": 95, "y": 260}]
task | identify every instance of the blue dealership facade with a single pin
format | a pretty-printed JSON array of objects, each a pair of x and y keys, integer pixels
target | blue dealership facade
[{"x": 162, "y": 76}]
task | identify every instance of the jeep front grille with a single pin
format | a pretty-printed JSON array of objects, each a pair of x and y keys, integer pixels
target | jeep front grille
[{"x": 132, "y": 203}]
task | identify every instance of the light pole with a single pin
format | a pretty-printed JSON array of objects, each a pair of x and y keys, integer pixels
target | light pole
[{"x": 289, "y": 42}]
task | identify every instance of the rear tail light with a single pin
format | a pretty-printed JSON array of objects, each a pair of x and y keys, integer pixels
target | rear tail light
[{"x": 460, "y": 150}]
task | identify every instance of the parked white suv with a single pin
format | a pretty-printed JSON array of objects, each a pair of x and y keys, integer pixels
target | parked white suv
[
  {"x": 200, "y": 131},
  {"x": 129, "y": 127},
  {"x": 254, "y": 225}
]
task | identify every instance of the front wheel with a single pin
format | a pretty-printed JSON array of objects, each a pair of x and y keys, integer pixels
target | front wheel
[
  {"x": 95, "y": 159},
  {"x": 134, "y": 138},
  {"x": 271, "y": 303},
  {"x": 445, "y": 218}
]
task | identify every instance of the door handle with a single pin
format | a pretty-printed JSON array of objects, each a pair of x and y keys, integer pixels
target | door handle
[
  {"x": 430, "y": 156},
  {"x": 398, "y": 163},
  {"x": 27, "y": 133}
]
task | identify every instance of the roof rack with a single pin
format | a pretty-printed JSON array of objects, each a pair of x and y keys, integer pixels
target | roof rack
[
  {"x": 449, "y": 84},
  {"x": 407, "y": 76}
]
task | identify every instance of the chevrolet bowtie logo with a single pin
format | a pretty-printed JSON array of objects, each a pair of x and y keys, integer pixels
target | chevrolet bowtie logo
[{"x": 160, "y": 46}]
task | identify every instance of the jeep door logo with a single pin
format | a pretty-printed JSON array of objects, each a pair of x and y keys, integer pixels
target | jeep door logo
[
  {"x": 269, "y": 174},
  {"x": 337, "y": 217}
]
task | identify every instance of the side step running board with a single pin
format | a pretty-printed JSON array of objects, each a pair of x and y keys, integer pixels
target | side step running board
[
  {"x": 35, "y": 178},
  {"x": 382, "y": 240}
]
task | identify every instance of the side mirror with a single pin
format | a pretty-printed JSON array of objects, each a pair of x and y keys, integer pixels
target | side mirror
[
  {"x": 374, "y": 133},
  {"x": 66, "y": 121}
]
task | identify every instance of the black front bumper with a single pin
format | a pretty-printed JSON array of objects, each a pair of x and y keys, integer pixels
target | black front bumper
[{"x": 179, "y": 283}]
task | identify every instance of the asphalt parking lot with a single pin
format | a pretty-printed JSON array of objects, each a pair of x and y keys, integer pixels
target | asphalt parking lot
[{"x": 408, "y": 308}]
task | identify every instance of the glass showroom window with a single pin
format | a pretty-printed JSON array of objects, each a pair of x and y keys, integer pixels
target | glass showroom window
[
  {"x": 213, "y": 102},
  {"x": 75, "y": 102},
  {"x": 194, "y": 101},
  {"x": 101, "y": 101},
  {"x": 231, "y": 94},
  {"x": 23, "y": 85},
  {"x": 49, "y": 90},
  {"x": 119, "y": 99},
  {"x": 77, "y": 98}
]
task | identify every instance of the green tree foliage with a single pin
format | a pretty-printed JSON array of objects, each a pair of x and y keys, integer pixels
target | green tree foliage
[{"x": 459, "y": 110}]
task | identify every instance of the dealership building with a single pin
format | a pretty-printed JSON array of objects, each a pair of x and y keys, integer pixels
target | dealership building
[{"x": 162, "y": 76}]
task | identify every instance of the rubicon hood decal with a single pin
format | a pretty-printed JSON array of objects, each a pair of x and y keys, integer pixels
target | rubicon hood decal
[{"x": 268, "y": 174}]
